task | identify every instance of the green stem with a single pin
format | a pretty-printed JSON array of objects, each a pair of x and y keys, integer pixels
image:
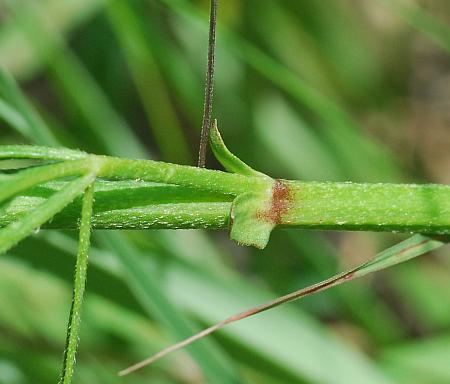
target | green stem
[
  {"x": 73, "y": 329},
  {"x": 342, "y": 206},
  {"x": 379, "y": 207},
  {"x": 187, "y": 176},
  {"x": 191, "y": 197},
  {"x": 146, "y": 170},
  {"x": 36, "y": 152}
]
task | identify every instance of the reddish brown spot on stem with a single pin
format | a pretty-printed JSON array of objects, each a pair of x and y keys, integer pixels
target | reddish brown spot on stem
[{"x": 279, "y": 205}]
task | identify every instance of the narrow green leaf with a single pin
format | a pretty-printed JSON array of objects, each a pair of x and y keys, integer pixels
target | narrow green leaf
[
  {"x": 73, "y": 328},
  {"x": 16, "y": 231},
  {"x": 413, "y": 247},
  {"x": 229, "y": 161}
]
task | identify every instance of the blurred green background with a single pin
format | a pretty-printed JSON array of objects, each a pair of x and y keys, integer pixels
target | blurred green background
[{"x": 353, "y": 90}]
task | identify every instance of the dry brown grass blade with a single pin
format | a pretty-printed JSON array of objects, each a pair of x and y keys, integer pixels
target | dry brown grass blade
[{"x": 412, "y": 247}]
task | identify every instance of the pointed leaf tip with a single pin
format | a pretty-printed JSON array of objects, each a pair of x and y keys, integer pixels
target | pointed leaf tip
[{"x": 229, "y": 161}]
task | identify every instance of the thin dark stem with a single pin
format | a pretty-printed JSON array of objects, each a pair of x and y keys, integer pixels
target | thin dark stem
[{"x": 209, "y": 85}]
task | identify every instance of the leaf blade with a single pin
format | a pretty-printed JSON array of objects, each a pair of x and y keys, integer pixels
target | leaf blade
[{"x": 401, "y": 252}]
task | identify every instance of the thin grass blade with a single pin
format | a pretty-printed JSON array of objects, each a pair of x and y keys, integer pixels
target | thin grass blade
[
  {"x": 410, "y": 248},
  {"x": 422, "y": 20},
  {"x": 11, "y": 116},
  {"x": 149, "y": 81},
  {"x": 30, "y": 124},
  {"x": 143, "y": 282}
]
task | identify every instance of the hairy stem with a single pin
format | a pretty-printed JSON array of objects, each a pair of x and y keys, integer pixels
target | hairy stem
[
  {"x": 193, "y": 177},
  {"x": 342, "y": 206},
  {"x": 73, "y": 328},
  {"x": 149, "y": 194},
  {"x": 37, "y": 152},
  {"x": 379, "y": 207}
]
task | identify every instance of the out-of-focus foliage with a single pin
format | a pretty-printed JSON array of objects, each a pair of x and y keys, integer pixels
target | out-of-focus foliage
[{"x": 314, "y": 90}]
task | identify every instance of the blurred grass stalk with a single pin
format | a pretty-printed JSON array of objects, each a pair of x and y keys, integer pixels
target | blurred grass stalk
[{"x": 422, "y": 20}]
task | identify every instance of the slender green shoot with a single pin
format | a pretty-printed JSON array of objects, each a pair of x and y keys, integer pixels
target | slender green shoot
[{"x": 73, "y": 328}]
